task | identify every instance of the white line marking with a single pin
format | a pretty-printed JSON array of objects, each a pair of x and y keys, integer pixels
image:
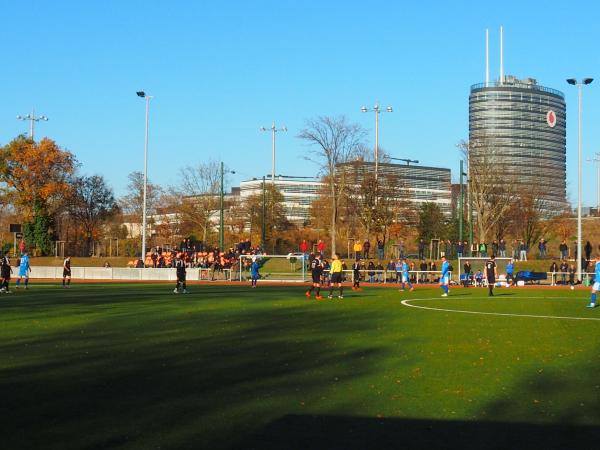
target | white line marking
[{"x": 406, "y": 303}]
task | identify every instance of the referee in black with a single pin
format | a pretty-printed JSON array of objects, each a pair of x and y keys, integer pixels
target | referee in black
[{"x": 491, "y": 273}]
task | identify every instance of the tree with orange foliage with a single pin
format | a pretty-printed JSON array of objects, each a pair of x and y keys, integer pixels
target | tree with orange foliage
[
  {"x": 37, "y": 178},
  {"x": 36, "y": 172}
]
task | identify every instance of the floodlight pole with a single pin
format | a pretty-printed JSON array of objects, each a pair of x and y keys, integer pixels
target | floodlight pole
[
  {"x": 579, "y": 86},
  {"x": 222, "y": 207},
  {"x": 376, "y": 109},
  {"x": 274, "y": 130},
  {"x": 32, "y": 119},
  {"x": 460, "y": 206},
  {"x": 143, "y": 95},
  {"x": 264, "y": 216}
]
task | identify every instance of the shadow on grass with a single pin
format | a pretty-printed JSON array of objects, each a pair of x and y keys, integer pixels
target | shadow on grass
[
  {"x": 149, "y": 372},
  {"x": 359, "y": 433}
]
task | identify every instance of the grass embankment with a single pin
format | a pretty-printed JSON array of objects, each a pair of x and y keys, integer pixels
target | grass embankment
[{"x": 137, "y": 367}]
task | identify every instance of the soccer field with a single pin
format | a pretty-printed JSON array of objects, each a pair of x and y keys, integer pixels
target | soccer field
[{"x": 137, "y": 367}]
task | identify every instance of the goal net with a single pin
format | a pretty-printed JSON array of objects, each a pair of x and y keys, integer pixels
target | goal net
[
  {"x": 276, "y": 268},
  {"x": 478, "y": 264}
]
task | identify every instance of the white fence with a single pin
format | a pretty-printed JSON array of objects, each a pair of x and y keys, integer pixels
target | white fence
[{"x": 126, "y": 274}]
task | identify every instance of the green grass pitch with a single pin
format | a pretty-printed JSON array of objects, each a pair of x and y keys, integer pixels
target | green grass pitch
[{"x": 133, "y": 366}]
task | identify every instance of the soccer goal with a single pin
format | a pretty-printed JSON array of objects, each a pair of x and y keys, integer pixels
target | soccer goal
[
  {"x": 276, "y": 268},
  {"x": 478, "y": 264}
]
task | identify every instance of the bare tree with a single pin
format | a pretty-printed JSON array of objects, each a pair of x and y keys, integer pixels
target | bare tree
[
  {"x": 334, "y": 141},
  {"x": 132, "y": 204},
  {"x": 91, "y": 204},
  {"x": 492, "y": 193},
  {"x": 197, "y": 196}
]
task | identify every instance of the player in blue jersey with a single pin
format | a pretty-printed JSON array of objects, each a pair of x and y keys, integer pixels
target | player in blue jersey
[
  {"x": 254, "y": 275},
  {"x": 445, "y": 278},
  {"x": 596, "y": 285},
  {"x": 405, "y": 276},
  {"x": 24, "y": 269}
]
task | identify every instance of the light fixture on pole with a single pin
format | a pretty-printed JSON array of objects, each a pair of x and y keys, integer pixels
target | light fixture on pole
[
  {"x": 407, "y": 161},
  {"x": 222, "y": 201},
  {"x": 142, "y": 94},
  {"x": 32, "y": 119},
  {"x": 376, "y": 109},
  {"x": 273, "y": 130},
  {"x": 579, "y": 86}
]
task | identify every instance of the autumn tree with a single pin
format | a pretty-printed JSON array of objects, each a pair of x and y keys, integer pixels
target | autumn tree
[
  {"x": 333, "y": 141},
  {"x": 91, "y": 204},
  {"x": 36, "y": 178},
  {"x": 432, "y": 222},
  {"x": 275, "y": 215}
]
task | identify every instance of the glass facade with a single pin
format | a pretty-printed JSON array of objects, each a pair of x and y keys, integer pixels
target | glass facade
[{"x": 519, "y": 127}]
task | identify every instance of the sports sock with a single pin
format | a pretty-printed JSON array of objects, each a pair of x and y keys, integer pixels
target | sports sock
[
  {"x": 63, "y": 281},
  {"x": 26, "y": 281},
  {"x": 318, "y": 291},
  {"x": 491, "y": 288},
  {"x": 69, "y": 282},
  {"x": 594, "y": 297},
  {"x": 446, "y": 288},
  {"x": 18, "y": 282},
  {"x": 341, "y": 290},
  {"x": 331, "y": 290},
  {"x": 311, "y": 289}
]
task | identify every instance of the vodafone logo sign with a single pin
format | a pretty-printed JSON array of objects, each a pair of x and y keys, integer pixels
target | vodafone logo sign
[{"x": 551, "y": 119}]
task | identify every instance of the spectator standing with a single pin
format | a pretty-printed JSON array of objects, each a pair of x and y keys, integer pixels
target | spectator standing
[
  {"x": 380, "y": 274},
  {"x": 423, "y": 269},
  {"x": 564, "y": 250},
  {"x": 321, "y": 247},
  {"x": 357, "y": 249},
  {"x": 495, "y": 248},
  {"x": 460, "y": 248},
  {"x": 542, "y": 248},
  {"x": 483, "y": 249},
  {"x": 304, "y": 247},
  {"x": 572, "y": 275},
  {"x": 371, "y": 272},
  {"x": 588, "y": 250},
  {"x": 553, "y": 270},
  {"x": 522, "y": 251},
  {"x": 564, "y": 268},
  {"x": 421, "y": 249},
  {"x": 380, "y": 249},
  {"x": 390, "y": 269},
  {"x": 366, "y": 249},
  {"x": 515, "y": 249},
  {"x": 502, "y": 248}
]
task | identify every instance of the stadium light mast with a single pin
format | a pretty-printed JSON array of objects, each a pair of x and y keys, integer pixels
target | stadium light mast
[
  {"x": 376, "y": 109},
  {"x": 407, "y": 161},
  {"x": 142, "y": 94},
  {"x": 221, "y": 214},
  {"x": 32, "y": 120},
  {"x": 579, "y": 85},
  {"x": 273, "y": 130},
  {"x": 461, "y": 201}
]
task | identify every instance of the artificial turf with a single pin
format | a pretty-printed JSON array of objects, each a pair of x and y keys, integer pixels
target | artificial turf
[{"x": 137, "y": 367}]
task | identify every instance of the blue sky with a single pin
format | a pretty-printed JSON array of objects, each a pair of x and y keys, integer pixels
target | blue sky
[{"x": 221, "y": 70}]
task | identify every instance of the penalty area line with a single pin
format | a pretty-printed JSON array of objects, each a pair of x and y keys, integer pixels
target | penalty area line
[{"x": 483, "y": 313}]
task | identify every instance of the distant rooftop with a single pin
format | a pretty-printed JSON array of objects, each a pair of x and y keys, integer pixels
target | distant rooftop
[{"x": 510, "y": 81}]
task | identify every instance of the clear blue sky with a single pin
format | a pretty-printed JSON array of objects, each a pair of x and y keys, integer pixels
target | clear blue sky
[{"x": 221, "y": 70}]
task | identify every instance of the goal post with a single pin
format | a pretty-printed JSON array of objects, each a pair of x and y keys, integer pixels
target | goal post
[{"x": 276, "y": 268}]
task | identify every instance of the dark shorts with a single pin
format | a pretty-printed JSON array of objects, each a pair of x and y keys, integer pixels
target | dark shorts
[
  {"x": 509, "y": 277},
  {"x": 336, "y": 277},
  {"x": 6, "y": 274},
  {"x": 491, "y": 280},
  {"x": 181, "y": 277},
  {"x": 66, "y": 273},
  {"x": 316, "y": 278}
]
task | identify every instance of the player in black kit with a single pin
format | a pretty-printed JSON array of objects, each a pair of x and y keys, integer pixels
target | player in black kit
[
  {"x": 491, "y": 273},
  {"x": 316, "y": 270},
  {"x": 180, "y": 270}
]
